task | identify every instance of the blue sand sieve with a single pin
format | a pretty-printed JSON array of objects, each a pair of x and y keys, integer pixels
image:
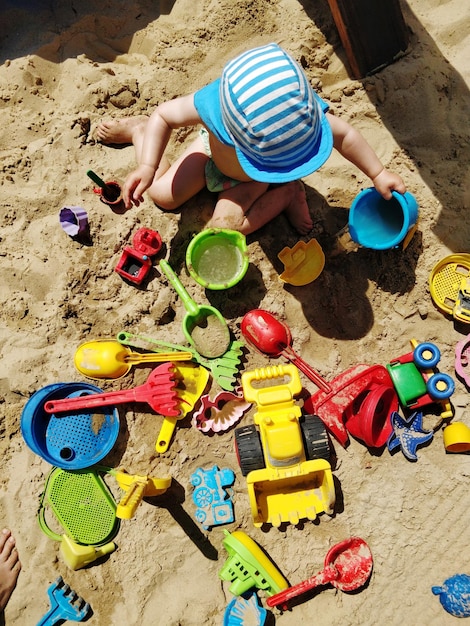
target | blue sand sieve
[
  {"x": 381, "y": 224},
  {"x": 73, "y": 440}
]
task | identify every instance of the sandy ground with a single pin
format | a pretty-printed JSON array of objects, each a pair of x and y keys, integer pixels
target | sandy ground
[{"x": 63, "y": 69}]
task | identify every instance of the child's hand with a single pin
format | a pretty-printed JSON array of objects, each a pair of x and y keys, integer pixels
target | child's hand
[
  {"x": 386, "y": 182},
  {"x": 136, "y": 183}
]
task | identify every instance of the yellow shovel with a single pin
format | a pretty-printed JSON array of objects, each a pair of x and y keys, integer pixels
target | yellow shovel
[{"x": 191, "y": 383}]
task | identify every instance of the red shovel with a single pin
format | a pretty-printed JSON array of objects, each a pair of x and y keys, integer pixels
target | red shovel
[
  {"x": 159, "y": 392},
  {"x": 270, "y": 336},
  {"x": 348, "y": 565}
]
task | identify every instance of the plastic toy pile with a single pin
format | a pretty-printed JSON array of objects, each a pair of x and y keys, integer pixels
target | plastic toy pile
[{"x": 284, "y": 449}]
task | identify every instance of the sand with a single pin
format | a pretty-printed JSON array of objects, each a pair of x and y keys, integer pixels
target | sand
[{"x": 63, "y": 69}]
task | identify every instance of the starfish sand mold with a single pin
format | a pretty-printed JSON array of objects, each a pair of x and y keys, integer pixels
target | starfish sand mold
[{"x": 408, "y": 433}]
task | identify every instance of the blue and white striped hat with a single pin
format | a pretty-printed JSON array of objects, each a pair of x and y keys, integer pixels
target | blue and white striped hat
[{"x": 272, "y": 116}]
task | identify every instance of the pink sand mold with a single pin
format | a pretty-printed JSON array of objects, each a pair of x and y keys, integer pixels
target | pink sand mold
[
  {"x": 462, "y": 360},
  {"x": 221, "y": 413}
]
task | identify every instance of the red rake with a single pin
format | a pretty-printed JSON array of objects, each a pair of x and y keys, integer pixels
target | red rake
[{"x": 159, "y": 392}]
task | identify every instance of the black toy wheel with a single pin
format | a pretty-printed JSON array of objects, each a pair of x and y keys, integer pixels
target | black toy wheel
[
  {"x": 248, "y": 448},
  {"x": 316, "y": 440}
]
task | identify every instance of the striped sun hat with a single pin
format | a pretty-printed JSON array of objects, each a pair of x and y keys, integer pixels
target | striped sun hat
[{"x": 273, "y": 116}]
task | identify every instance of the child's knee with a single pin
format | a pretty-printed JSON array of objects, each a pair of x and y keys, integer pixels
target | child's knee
[{"x": 162, "y": 200}]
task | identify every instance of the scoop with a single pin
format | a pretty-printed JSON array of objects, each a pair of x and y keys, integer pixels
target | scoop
[
  {"x": 270, "y": 336},
  {"x": 348, "y": 565},
  {"x": 109, "y": 359},
  {"x": 158, "y": 392},
  {"x": 204, "y": 326}
]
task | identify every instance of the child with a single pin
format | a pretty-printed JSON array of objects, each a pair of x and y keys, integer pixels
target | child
[{"x": 263, "y": 129}]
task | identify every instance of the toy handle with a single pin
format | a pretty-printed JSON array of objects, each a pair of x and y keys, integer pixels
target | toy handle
[
  {"x": 96, "y": 400},
  {"x": 53, "y": 615},
  {"x": 141, "y": 341},
  {"x": 189, "y": 304},
  {"x": 305, "y": 368},
  {"x": 327, "y": 575},
  {"x": 99, "y": 181},
  {"x": 130, "y": 500},
  {"x": 166, "y": 432},
  {"x": 43, "y": 524},
  {"x": 271, "y": 394},
  {"x": 157, "y": 357}
]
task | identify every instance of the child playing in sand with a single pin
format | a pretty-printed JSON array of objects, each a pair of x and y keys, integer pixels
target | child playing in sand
[
  {"x": 10, "y": 567},
  {"x": 263, "y": 129}
]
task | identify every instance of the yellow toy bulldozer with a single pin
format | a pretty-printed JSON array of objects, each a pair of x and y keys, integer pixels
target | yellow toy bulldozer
[{"x": 284, "y": 455}]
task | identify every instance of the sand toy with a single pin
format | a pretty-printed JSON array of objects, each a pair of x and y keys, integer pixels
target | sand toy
[
  {"x": 217, "y": 258},
  {"x": 454, "y": 595},
  {"x": 109, "y": 192},
  {"x": 66, "y": 604},
  {"x": 158, "y": 392},
  {"x": 191, "y": 381},
  {"x": 303, "y": 263},
  {"x": 348, "y": 566},
  {"x": 212, "y": 495},
  {"x": 247, "y": 566},
  {"x": 382, "y": 224},
  {"x": 285, "y": 482},
  {"x": 136, "y": 260},
  {"x": 417, "y": 380},
  {"x": 109, "y": 359},
  {"x": 462, "y": 360},
  {"x": 75, "y": 439},
  {"x": 203, "y": 326},
  {"x": 225, "y": 369},
  {"x": 449, "y": 284},
  {"x": 270, "y": 336}
]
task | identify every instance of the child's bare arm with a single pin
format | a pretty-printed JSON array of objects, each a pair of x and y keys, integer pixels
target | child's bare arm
[
  {"x": 167, "y": 116},
  {"x": 352, "y": 146}
]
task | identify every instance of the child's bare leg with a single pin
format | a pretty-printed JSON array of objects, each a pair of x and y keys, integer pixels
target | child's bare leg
[
  {"x": 10, "y": 567},
  {"x": 173, "y": 184},
  {"x": 128, "y": 130},
  {"x": 182, "y": 180},
  {"x": 249, "y": 206}
]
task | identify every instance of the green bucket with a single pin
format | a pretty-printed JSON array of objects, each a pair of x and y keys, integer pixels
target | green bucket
[{"x": 217, "y": 258}]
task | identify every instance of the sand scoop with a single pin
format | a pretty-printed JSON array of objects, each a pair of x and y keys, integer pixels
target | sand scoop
[{"x": 66, "y": 604}]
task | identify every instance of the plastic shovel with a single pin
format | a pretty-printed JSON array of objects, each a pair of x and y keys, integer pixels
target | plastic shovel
[
  {"x": 109, "y": 359},
  {"x": 270, "y": 336},
  {"x": 191, "y": 382},
  {"x": 204, "y": 326},
  {"x": 158, "y": 392},
  {"x": 348, "y": 566}
]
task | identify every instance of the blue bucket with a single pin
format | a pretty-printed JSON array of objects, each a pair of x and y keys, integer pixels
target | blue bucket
[
  {"x": 74, "y": 440},
  {"x": 381, "y": 224}
]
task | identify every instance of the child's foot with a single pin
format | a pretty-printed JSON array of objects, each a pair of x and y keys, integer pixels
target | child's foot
[
  {"x": 120, "y": 131},
  {"x": 297, "y": 212},
  {"x": 10, "y": 566}
]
